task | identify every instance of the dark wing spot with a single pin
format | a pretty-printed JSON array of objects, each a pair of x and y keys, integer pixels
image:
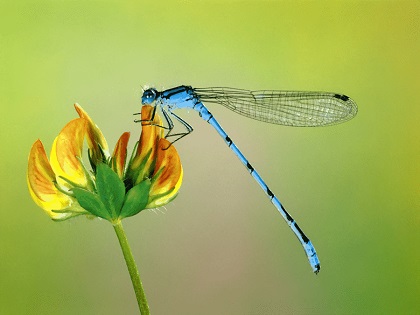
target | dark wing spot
[{"x": 342, "y": 97}]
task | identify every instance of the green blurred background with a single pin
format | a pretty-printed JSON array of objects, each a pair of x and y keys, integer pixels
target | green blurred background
[{"x": 220, "y": 247}]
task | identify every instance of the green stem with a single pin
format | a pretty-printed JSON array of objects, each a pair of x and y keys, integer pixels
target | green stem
[{"x": 132, "y": 268}]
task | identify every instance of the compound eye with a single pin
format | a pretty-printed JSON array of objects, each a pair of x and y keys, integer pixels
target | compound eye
[{"x": 148, "y": 96}]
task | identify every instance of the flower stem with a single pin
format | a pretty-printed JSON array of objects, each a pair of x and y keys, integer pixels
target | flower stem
[{"x": 132, "y": 268}]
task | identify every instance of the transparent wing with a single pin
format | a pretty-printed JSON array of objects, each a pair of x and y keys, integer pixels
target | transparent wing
[{"x": 290, "y": 108}]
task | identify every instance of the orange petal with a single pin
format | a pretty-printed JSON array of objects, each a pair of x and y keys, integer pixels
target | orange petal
[
  {"x": 150, "y": 135},
  {"x": 120, "y": 154},
  {"x": 169, "y": 171},
  {"x": 40, "y": 179},
  {"x": 94, "y": 136},
  {"x": 150, "y": 130},
  {"x": 66, "y": 150}
]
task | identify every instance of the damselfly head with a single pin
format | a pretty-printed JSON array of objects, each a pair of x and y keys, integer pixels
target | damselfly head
[{"x": 149, "y": 96}]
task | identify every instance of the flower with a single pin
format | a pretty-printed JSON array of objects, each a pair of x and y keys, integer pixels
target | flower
[{"x": 114, "y": 188}]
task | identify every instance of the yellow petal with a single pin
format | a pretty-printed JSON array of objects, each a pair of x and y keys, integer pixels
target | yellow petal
[
  {"x": 66, "y": 150},
  {"x": 40, "y": 178},
  {"x": 94, "y": 136},
  {"x": 120, "y": 154},
  {"x": 150, "y": 135},
  {"x": 168, "y": 170}
]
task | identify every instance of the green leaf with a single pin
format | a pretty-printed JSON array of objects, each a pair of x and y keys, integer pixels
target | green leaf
[
  {"x": 136, "y": 199},
  {"x": 111, "y": 189},
  {"x": 91, "y": 202}
]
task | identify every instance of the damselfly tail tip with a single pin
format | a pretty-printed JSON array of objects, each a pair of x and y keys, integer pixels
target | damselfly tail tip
[{"x": 317, "y": 268}]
